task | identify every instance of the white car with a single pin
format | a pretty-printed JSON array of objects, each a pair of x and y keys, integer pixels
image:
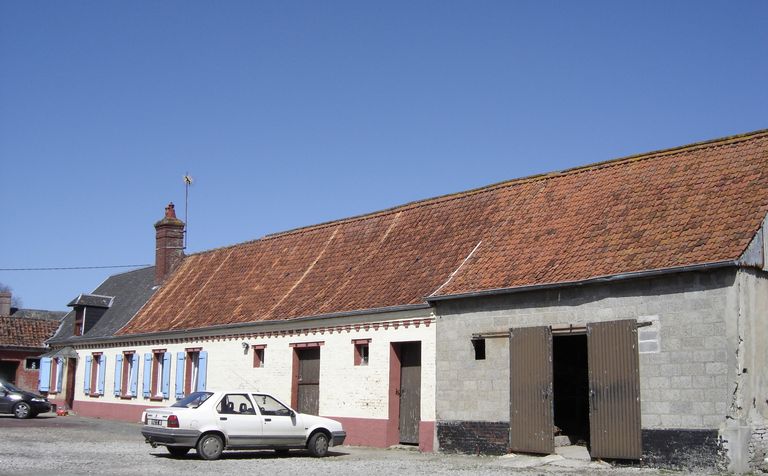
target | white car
[{"x": 212, "y": 422}]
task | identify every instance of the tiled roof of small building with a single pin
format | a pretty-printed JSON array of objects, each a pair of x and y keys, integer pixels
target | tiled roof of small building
[
  {"x": 26, "y": 332},
  {"x": 687, "y": 206},
  {"x": 38, "y": 314}
]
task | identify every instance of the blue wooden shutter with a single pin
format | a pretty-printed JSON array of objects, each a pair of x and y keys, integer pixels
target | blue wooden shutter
[
  {"x": 60, "y": 374},
  {"x": 147, "y": 389},
  {"x": 118, "y": 374},
  {"x": 102, "y": 369},
  {"x": 166, "y": 374},
  {"x": 134, "y": 375},
  {"x": 87, "y": 376},
  {"x": 44, "y": 383},
  {"x": 180, "y": 358},
  {"x": 202, "y": 367}
]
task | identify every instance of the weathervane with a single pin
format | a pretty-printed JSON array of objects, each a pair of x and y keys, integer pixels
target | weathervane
[{"x": 187, "y": 182}]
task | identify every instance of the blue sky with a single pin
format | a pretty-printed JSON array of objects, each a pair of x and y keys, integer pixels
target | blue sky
[{"x": 293, "y": 113}]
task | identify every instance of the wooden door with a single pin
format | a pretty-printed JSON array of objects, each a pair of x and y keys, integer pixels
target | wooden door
[
  {"x": 531, "y": 415},
  {"x": 69, "y": 396},
  {"x": 410, "y": 392},
  {"x": 614, "y": 390},
  {"x": 309, "y": 380}
]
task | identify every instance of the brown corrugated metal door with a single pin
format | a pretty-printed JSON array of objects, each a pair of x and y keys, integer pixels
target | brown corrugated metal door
[
  {"x": 531, "y": 418},
  {"x": 309, "y": 380},
  {"x": 614, "y": 390}
]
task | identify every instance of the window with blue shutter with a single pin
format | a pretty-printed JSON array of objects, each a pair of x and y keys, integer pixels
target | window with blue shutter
[
  {"x": 102, "y": 369},
  {"x": 45, "y": 374},
  {"x": 180, "y": 358},
  {"x": 134, "y": 383},
  {"x": 147, "y": 387},
  {"x": 202, "y": 369},
  {"x": 87, "y": 376},
  {"x": 60, "y": 374},
  {"x": 166, "y": 374},
  {"x": 118, "y": 374}
]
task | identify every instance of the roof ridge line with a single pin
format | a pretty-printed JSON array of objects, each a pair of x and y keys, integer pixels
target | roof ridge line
[
  {"x": 30, "y": 318},
  {"x": 718, "y": 142}
]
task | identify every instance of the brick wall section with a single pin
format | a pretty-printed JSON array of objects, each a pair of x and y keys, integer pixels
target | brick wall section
[
  {"x": 25, "y": 379},
  {"x": 478, "y": 437}
]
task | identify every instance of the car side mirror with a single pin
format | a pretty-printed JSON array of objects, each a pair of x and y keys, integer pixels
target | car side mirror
[{"x": 293, "y": 414}]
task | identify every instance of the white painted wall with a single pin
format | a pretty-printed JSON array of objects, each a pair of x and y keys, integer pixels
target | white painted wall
[{"x": 346, "y": 390}]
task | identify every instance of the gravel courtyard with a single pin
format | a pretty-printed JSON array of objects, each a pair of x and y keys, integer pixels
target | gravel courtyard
[{"x": 74, "y": 445}]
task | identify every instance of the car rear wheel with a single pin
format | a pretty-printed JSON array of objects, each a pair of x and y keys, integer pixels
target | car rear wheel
[
  {"x": 22, "y": 410},
  {"x": 318, "y": 444},
  {"x": 177, "y": 451},
  {"x": 210, "y": 446}
]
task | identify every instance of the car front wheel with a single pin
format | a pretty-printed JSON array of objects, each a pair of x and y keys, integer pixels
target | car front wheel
[
  {"x": 210, "y": 446},
  {"x": 318, "y": 444},
  {"x": 22, "y": 410},
  {"x": 177, "y": 451}
]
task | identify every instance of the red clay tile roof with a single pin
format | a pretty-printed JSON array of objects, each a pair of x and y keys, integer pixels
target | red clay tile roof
[
  {"x": 25, "y": 332},
  {"x": 691, "y": 205}
]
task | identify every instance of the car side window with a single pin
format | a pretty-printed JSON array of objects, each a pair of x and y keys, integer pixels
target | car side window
[
  {"x": 236, "y": 404},
  {"x": 269, "y": 406}
]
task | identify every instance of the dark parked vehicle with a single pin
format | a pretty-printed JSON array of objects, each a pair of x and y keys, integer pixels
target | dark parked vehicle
[{"x": 21, "y": 403}]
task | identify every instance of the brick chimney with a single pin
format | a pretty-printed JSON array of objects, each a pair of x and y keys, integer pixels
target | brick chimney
[
  {"x": 169, "y": 244},
  {"x": 5, "y": 303}
]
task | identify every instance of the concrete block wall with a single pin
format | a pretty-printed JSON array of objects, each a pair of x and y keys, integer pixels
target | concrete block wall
[
  {"x": 747, "y": 407},
  {"x": 683, "y": 385}
]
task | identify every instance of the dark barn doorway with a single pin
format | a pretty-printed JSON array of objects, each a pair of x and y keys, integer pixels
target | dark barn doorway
[
  {"x": 586, "y": 384},
  {"x": 571, "y": 387},
  {"x": 8, "y": 371}
]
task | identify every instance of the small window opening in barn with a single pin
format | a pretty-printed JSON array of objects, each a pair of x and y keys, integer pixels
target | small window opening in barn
[
  {"x": 479, "y": 346},
  {"x": 649, "y": 336},
  {"x": 571, "y": 387},
  {"x": 32, "y": 364}
]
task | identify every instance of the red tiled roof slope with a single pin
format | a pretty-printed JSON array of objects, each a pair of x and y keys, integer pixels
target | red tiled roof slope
[
  {"x": 692, "y": 205},
  {"x": 695, "y": 205},
  {"x": 25, "y": 332}
]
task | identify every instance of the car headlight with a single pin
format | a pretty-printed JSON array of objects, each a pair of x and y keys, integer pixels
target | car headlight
[{"x": 38, "y": 399}]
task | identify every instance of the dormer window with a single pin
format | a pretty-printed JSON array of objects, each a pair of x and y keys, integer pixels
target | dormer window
[
  {"x": 88, "y": 310},
  {"x": 79, "y": 320}
]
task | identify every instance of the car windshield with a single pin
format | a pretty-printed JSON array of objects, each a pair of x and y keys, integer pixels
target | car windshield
[
  {"x": 193, "y": 400},
  {"x": 9, "y": 387}
]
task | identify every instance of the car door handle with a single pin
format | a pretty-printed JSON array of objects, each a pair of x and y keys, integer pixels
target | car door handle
[
  {"x": 222, "y": 418},
  {"x": 267, "y": 419}
]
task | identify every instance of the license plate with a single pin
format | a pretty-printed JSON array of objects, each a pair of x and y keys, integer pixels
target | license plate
[{"x": 156, "y": 422}]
